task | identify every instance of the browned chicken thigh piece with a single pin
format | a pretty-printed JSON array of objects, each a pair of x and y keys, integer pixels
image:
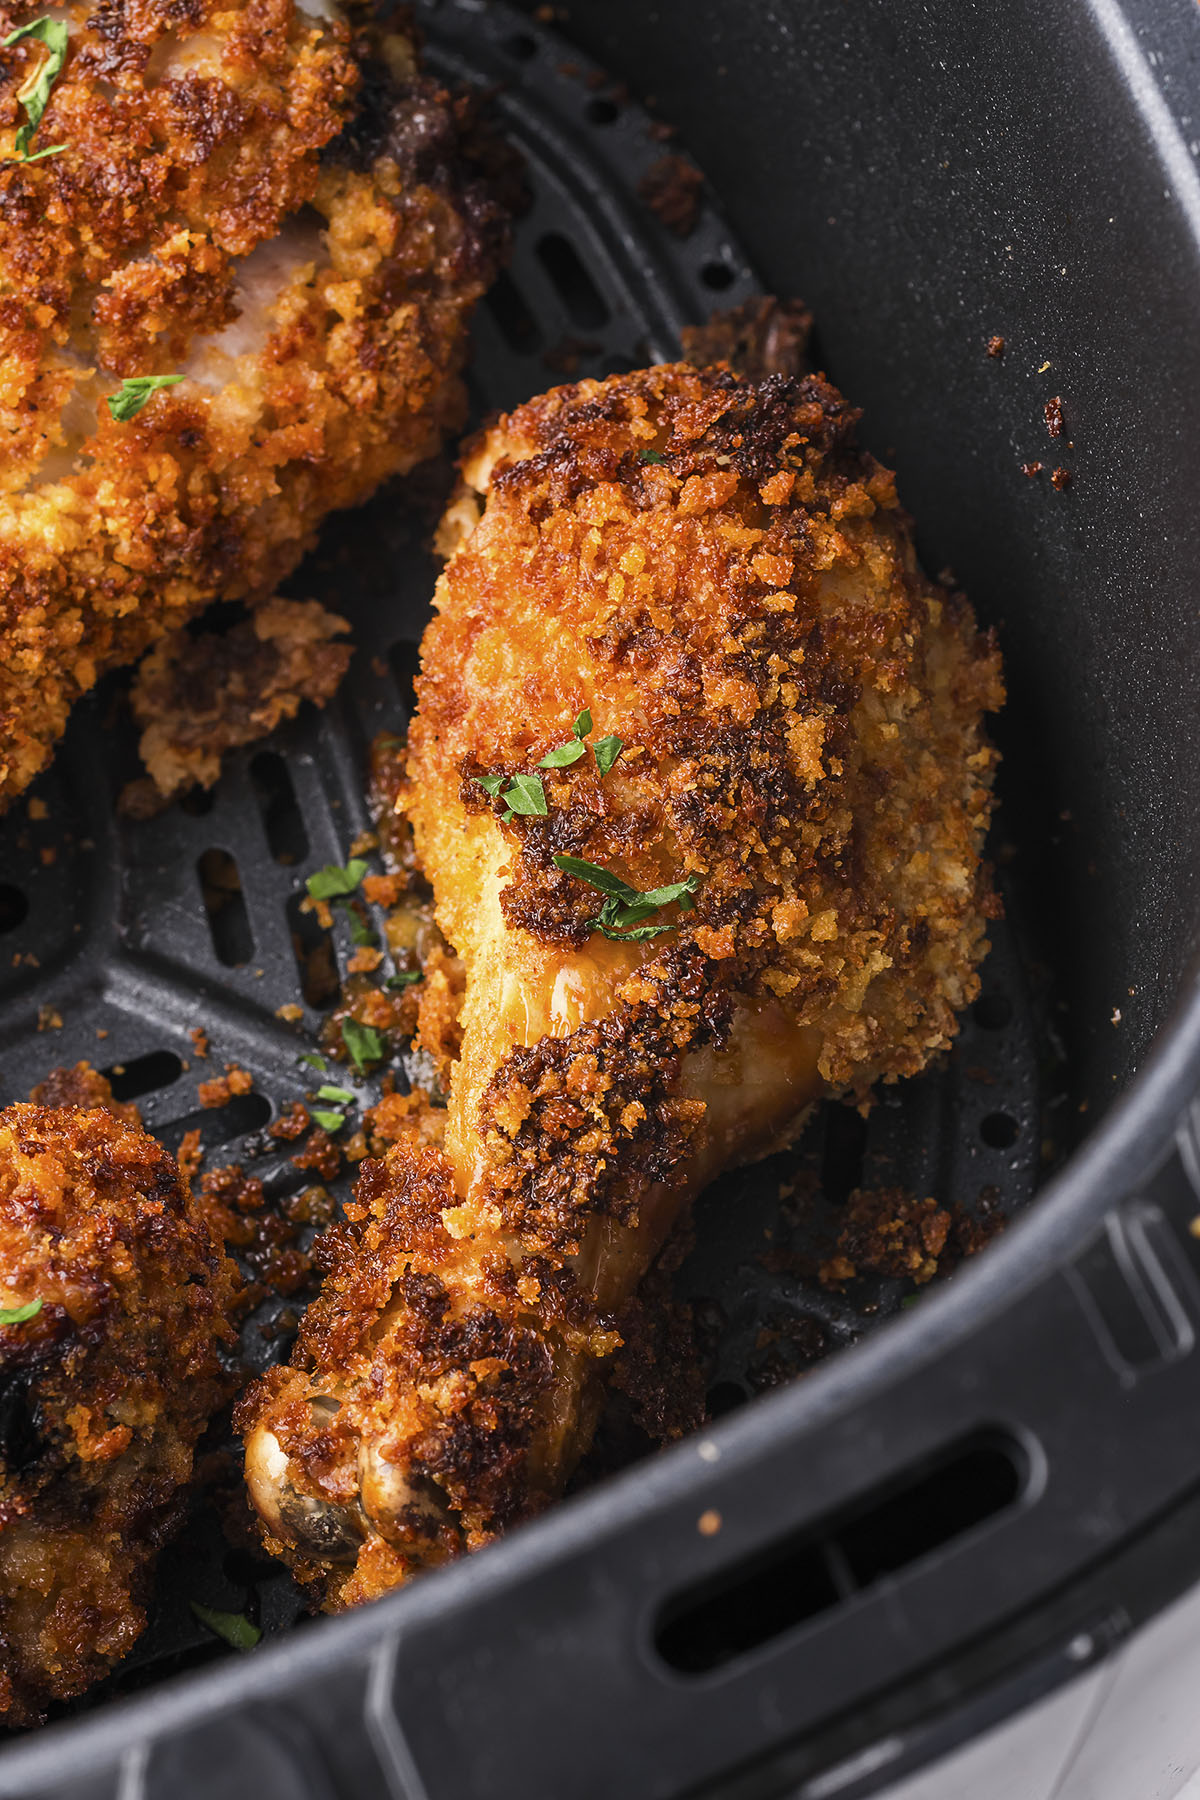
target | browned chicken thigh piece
[
  {"x": 699, "y": 777},
  {"x": 114, "y": 1298}
]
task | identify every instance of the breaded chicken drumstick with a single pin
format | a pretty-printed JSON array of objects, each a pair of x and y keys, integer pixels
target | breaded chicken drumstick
[
  {"x": 114, "y": 1298},
  {"x": 699, "y": 777},
  {"x": 239, "y": 245}
]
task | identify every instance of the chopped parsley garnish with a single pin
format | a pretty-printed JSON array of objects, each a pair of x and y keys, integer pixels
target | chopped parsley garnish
[
  {"x": 606, "y": 752},
  {"x": 363, "y": 1042},
  {"x": 360, "y": 932},
  {"x": 343, "y": 1095},
  {"x": 331, "y": 882},
  {"x": 525, "y": 796},
  {"x": 329, "y": 1121},
  {"x": 234, "y": 1628},
  {"x": 624, "y": 906},
  {"x": 564, "y": 755},
  {"x": 17, "y": 1315},
  {"x": 491, "y": 784},
  {"x": 36, "y": 91},
  {"x": 133, "y": 394},
  {"x": 312, "y": 1061},
  {"x": 404, "y": 979},
  {"x": 650, "y": 456},
  {"x": 573, "y": 749}
]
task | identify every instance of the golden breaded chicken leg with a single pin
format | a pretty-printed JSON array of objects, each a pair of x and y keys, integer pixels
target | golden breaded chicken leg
[{"x": 699, "y": 778}]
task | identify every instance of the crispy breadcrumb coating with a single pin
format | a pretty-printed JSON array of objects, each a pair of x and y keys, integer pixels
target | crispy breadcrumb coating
[
  {"x": 103, "y": 1392},
  {"x": 281, "y": 210},
  {"x": 711, "y": 571}
]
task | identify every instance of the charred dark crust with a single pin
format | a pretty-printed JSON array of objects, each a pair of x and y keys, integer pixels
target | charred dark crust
[
  {"x": 444, "y": 140},
  {"x": 586, "y": 1125},
  {"x": 454, "y": 1395}
]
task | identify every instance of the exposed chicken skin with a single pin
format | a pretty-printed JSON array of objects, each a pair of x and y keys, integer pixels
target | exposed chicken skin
[
  {"x": 104, "y": 1390},
  {"x": 275, "y": 207},
  {"x": 712, "y": 570}
]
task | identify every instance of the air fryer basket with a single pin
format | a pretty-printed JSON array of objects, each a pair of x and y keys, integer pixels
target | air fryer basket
[{"x": 954, "y": 1514}]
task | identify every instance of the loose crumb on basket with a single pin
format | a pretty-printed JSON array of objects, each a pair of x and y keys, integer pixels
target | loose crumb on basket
[
  {"x": 221, "y": 1091},
  {"x": 671, "y": 188}
]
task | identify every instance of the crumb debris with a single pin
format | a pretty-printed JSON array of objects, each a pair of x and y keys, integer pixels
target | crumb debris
[
  {"x": 198, "y": 695},
  {"x": 671, "y": 188},
  {"x": 221, "y": 1091},
  {"x": 1053, "y": 411},
  {"x": 995, "y": 346}
]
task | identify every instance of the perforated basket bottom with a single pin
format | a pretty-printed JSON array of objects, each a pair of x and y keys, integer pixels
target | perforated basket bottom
[{"x": 107, "y": 951}]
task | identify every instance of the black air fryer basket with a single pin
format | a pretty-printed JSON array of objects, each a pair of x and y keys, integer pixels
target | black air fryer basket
[{"x": 961, "y": 1556}]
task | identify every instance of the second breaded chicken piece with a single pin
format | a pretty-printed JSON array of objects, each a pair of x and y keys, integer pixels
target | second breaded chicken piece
[{"x": 277, "y": 215}]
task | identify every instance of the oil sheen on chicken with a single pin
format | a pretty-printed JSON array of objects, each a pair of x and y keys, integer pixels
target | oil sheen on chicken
[
  {"x": 712, "y": 572},
  {"x": 277, "y": 212}
]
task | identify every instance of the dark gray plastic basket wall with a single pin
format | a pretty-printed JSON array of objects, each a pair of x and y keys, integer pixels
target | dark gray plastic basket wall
[{"x": 966, "y": 1508}]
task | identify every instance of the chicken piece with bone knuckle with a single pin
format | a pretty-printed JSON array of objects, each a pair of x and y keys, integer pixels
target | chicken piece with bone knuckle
[
  {"x": 274, "y": 215},
  {"x": 774, "y": 893},
  {"x": 114, "y": 1298}
]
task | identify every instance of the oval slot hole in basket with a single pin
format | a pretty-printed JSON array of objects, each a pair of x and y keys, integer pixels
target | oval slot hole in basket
[
  {"x": 818, "y": 1569},
  {"x": 282, "y": 820},
  {"x": 224, "y": 902},
  {"x": 157, "y": 1069},
  {"x": 583, "y": 300}
]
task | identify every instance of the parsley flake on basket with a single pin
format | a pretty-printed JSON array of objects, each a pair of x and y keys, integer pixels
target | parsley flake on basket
[
  {"x": 17, "y": 1315},
  {"x": 234, "y": 1628},
  {"x": 328, "y": 1121},
  {"x": 330, "y": 883},
  {"x": 36, "y": 90},
  {"x": 625, "y": 907},
  {"x": 342, "y": 1095},
  {"x": 133, "y": 394},
  {"x": 361, "y": 933},
  {"x": 363, "y": 1042},
  {"x": 405, "y": 978}
]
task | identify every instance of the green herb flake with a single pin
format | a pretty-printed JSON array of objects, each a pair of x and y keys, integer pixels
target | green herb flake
[
  {"x": 624, "y": 906},
  {"x": 17, "y": 1315},
  {"x": 565, "y": 755},
  {"x": 405, "y": 978},
  {"x": 331, "y": 882},
  {"x": 491, "y": 784},
  {"x": 363, "y": 1042},
  {"x": 582, "y": 725},
  {"x": 650, "y": 456},
  {"x": 312, "y": 1061},
  {"x": 360, "y": 932},
  {"x": 526, "y": 797},
  {"x": 234, "y": 1628},
  {"x": 35, "y": 93},
  {"x": 329, "y": 1121},
  {"x": 606, "y": 751},
  {"x": 336, "y": 1093},
  {"x": 133, "y": 394}
]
